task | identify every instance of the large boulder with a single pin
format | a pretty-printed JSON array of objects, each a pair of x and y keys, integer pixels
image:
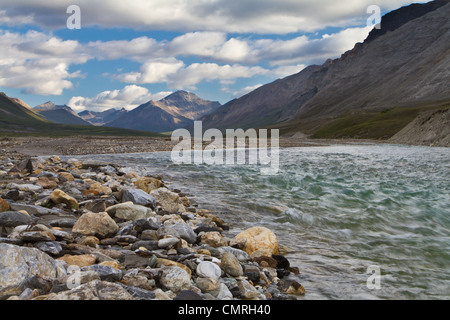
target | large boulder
[
  {"x": 17, "y": 264},
  {"x": 12, "y": 219},
  {"x": 100, "y": 225},
  {"x": 129, "y": 211},
  {"x": 140, "y": 197},
  {"x": 257, "y": 239}
]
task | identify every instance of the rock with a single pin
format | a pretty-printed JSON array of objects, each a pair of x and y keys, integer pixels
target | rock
[
  {"x": 100, "y": 225},
  {"x": 135, "y": 278},
  {"x": 187, "y": 295},
  {"x": 265, "y": 261},
  {"x": 168, "y": 242},
  {"x": 282, "y": 262},
  {"x": 148, "y": 244},
  {"x": 140, "y": 294},
  {"x": 4, "y": 206},
  {"x": 111, "y": 263},
  {"x": 185, "y": 202},
  {"x": 169, "y": 201},
  {"x": 175, "y": 279},
  {"x": 257, "y": 238},
  {"x": 3, "y": 173},
  {"x": 208, "y": 285},
  {"x": 17, "y": 264},
  {"x": 145, "y": 224},
  {"x": 247, "y": 291},
  {"x": 83, "y": 260},
  {"x": 214, "y": 239},
  {"x": 98, "y": 205},
  {"x": 88, "y": 164},
  {"x": 242, "y": 256},
  {"x": 66, "y": 176},
  {"x": 50, "y": 247},
  {"x": 34, "y": 210},
  {"x": 148, "y": 184},
  {"x": 224, "y": 293},
  {"x": 14, "y": 195},
  {"x": 169, "y": 263},
  {"x": 106, "y": 273},
  {"x": 13, "y": 219},
  {"x": 129, "y": 211},
  {"x": 291, "y": 287},
  {"x": 94, "y": 290},
  {"x": 59, "y": 196},
  {"x": 185, "y": 232},
  {"x": 230, "y": 264},
  {"x": 46, "y": 183},
  {"x": 252, "y": 273},
  {"x": 208, "y": 269},
  {"x": 97, "y": 189},
  {"x": 25, "y": 187},
  {"x": 138, "y": 196},
  {"x": 26, "y": 166},
  {"x": 36, "y": 236}
]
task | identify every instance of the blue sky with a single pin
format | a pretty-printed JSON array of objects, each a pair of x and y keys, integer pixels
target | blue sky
[{"x": 129, "y": 52}]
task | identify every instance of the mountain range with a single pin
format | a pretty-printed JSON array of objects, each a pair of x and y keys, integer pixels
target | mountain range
[
  {"x": 59, "y": 114},
  {"x": 371, "y": 91}
]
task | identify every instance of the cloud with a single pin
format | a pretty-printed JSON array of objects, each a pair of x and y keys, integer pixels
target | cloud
[
  {"x": 244, "y": 16},
  {"x": 128, "y": 97},
  {"x": 38, "y": 63},
  {"x": 241, "y": 92}
]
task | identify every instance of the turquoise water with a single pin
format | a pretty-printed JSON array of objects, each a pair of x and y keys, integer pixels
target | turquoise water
[{"x": 340, "y": 209}]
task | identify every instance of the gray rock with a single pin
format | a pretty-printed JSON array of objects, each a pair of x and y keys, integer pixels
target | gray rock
[
  {"x": 148, "y": 244},
  {"x": 241, "y": 255},
  {"x": 168, "y": 242},
  {"x": 185, "y": 232},
  {"x": 129, "y": 211},
  {"x": 50, "y": 247},
  {"x": 208, "y": 269},
  {"x": 36, "y": 236},
  {"x": 224, "y": 293},
  {"x": 187, "y": 295},
  {"x": 139, "y": 293},
  {"x": 208, "y": 285},
  {"x": 248, "y": 291},
  {"x": 146, "y": 224},
  {"x": 13, "y": 219},
  {"x": 105, "y": 273},
  {"x": 17, "y": 264},
  {"x": 94, "y": 290},
  {"x": 138, "y": 196},
  {"x": 35, "y": 210},
  {"x": 175, "y": 279},
  {"x": 25, "y": 187}
]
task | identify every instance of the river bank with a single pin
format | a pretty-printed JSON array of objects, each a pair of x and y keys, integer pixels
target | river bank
[{"x": 94, "y": 230}]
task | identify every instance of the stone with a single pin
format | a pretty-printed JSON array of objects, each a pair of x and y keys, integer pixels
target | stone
[
  {"x": 93, "y": 164},
  {"x": 97, "y": 205},
  {"x": 100, "y": 225},
  {"x": 59, "y": 196},
  {"x": 247, "y": 291},
  {"x": 185, "y": 232},
  {"x": 170, "y": 263},
  {"x": 230, "y": 264},
  {"x": 50, "y": 247},
  {"x": 14, "y": 195},
  {"x": 168, "y": 242},
  {"x": 168, "y": 201},
  {"x": 4, "y": 206},
  {"x": 140, "y": 197},
  {"x": 208, "y": 285},
  {"x": 89, "y": 241},
  {"x": 213, "y": 239},
  {"x": 17, "y": 264},
  {"x": 224, "y": 293},
  {"x": 257, "y": 238},
  {"x": 26, "y": 166},
  {"x": 140, "y": 294},
  {"x": 46, "y": 183},
  {"x": 82, "y": 260},
  {"x": 175, "y": 279},
  {"x": 12, "y": 219},
  {"x": 208, "y": 269},
  {"x": 147, "y": 244},
  {"x": 129, "y": 211},
  {"x": 97, "y": 189},
  {"x": 252, "y": 273},
  {"x": 242, "y": 256},
  {"x": 142, "y": 225},
  {"x": 282, "y": 262},
  {"x": 34, "y": 210},
  {"x": 67, "y": 176},
  {"x": 106, "y": 273},
  {"x": 148, "y": 184},
  {"x": 265, "y": 261},
  {"x": 36, "y": 236},
  {"x": 187, "y": 295},
  {"x": 94, "y": 290},
  {"x": 291, "y": 287},
  {"x": 25, "y": 187}
]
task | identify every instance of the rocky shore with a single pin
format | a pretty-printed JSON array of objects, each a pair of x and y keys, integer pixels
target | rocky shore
[{"x": 84, "y": 230}]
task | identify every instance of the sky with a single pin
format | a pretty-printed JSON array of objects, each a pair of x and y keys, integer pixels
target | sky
[{"x": 125, "y": 53}]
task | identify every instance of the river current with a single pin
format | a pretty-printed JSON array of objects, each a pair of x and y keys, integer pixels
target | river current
[{"x": 345, "y": 211}]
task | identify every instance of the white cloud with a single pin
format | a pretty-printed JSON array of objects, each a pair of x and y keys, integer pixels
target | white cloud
[
  {"x": 244, "y": 16},
  {"x": 128, "y": 97},
  {"x": 241, "y": 92},
  {"x": 38, "y": 63}
]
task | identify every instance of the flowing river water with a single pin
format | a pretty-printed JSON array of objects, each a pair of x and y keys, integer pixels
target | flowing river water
[{"x": 343, "y": 210}]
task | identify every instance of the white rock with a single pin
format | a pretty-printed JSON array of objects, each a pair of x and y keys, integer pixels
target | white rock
[{"x": 208, "y": 269}]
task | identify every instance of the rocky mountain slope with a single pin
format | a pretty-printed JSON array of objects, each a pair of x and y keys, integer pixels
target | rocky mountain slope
[
  {"x": 407, "y": 64},
  {"x": 59, "y": 114},
  {"x": 178, "y": 110}
]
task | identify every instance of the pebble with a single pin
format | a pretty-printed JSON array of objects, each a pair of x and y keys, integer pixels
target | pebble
[{"x": 131, "y": 238}]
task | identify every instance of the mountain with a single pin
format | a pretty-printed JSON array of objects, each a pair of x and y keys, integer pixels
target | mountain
[
  {"x": 59, "y": 114},
  {"x": 101, "y": 118},
  {"x": 371, "y": 91},
  {"x": 19, "y": 120},
  {"x": 178, "y": 110}
]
